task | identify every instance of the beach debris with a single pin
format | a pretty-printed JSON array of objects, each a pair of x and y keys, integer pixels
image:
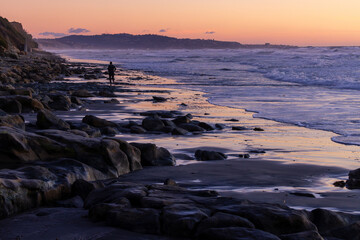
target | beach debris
[{"x": 204, "y": 155}]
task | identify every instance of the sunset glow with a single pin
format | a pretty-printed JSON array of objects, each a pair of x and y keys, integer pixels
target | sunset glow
[{"x": 295, "y": 22}]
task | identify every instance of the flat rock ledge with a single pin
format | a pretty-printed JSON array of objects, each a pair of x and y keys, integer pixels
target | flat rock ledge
[{"x": 178, "y": 212}]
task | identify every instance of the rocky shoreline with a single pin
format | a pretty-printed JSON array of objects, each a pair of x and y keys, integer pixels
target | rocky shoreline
[{"x": 48, "y": 161}]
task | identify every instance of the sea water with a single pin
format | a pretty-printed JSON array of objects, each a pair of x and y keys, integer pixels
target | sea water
[{"x": 314, "y": 87}]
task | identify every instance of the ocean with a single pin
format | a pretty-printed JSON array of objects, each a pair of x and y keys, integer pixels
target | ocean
[{"x": 313, "y": 87}]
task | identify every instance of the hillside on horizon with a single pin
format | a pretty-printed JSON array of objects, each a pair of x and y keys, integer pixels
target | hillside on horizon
[{"x": 129, "y": 41}]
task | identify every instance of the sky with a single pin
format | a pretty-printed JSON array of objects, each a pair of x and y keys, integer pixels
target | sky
[{"x": 292, "y": 22}]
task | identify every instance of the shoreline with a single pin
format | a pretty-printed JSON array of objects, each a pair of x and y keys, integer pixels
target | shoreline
[{"x": 274, "y": 175}]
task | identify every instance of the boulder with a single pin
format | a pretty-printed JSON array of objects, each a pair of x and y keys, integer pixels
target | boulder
[
  {"x": 29, "y": 104},
  {"x": 98, "y": 122},
  {"x": 10, "y": 105},
  {"x": 76, "y": 100},
  {"x": 191, "y": 127},
  {"x": 350, "y": 232},
  {"x": 22, "y": 91},
  {"x": 143, "y": 220},
  {"x": 109, "y": 131},
  {"x": 82, "y": 188},
  {"x": 309, "y": 235},
  {"x": 153, "y": 123},
  {"x": 220, "y": 126},
  {"x": 179, "y": 131},
  {"x": 209, "y": 155},
  {"x": 234, "y": 233},
  {"x": 182, "y": 119},
  {"x": 16, "y": 121},
  {"x": 46, "y": 120},
  {"x": 151, "y": 155},
  {"x": 181, "y": 219},
  {"x": 137, "y": 129},
  {"x": 133, "y": 154},
  {"x": 106, "y": 94},
  {"x": 101, "y": 211},
  {"x": 206, "y": 126},
  {"x": 354, "y": 179},
  {"x": 82, "y": 93},
  {"x": 326, "y": 220},
  {"x": 60, "y": 102},
  {"x": 239, "y": 128},
  {"x": 221, "y": 220},
  {"x": 159, "y": 99}
]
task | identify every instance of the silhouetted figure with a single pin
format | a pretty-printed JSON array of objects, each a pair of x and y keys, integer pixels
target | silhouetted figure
[{"x": 111, "y": 70}]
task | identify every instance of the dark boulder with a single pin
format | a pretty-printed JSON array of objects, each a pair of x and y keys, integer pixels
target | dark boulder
[
  {"x": 354, "y": 179},
  {"x": 16, "y": 121},
  {"x": 179, "y": 131},
  {"x": 151, "y": 155},
  {"x": 203, "y": 155},
  {"x": 46, "y": 120},
  {"x": 309, "y": 235},
  {"x": 98, "y": 122},
  {"x": 191, "y": 127},
  {"x": 236, "y": 233},
  {"x": 60, "y": 102},
  {"x": 83, "y": 93},
  {"x": 153, "y": 123}
]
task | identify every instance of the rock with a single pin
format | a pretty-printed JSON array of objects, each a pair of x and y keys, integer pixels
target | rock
[
  {"x": 303, "y": 194},
  {"x": 341, "y": 184},
  {"x": 133, "y": 154},
  {"x": 153, "y": 124},
  {"x": 82, "y": 188},
  {"x": 183, "y": 156},
  {"x": 220, "y": 126},
  {"x": 151, "y": 155},
  {"x": 137, "y": 130},
  {"x": 109, "y": 131},
  {"x": 234, "y": 233},
  {"x": 181, "y": 219},
  {"x": 24, "y": 92},
  {"x": 98, "y": 122},
  {"x": 143, "y": 220},
  {"x": 354, "y": 179},
  {"x": 182, "y": 119},
  {"x": 114, "y": 101},
  {"x": 46, "y": 120},
  {"x": 221, "y": 220},
  {"x": 16, "y": 121},
  {"x": 106, "y": 94},
  {"x": 79, "y": 132},
  {"x": 117, "y": 157},
  {"x": 309, "y": 235},
  {"x": 169, "y": 123},
  {"x": 100, "y": 211},
  {"x": 258, "y": 129},
  {"x": 60, "y": 102},
  {"x": 11, "y": 105},
  {"x": 326, "y": 220},
  {"x": 276, "y": 219},
  {"x": 83, "y": 93},
  {"x": 28, "y": 104},
  {"x": 170, "y": 182},
  {"x": 160, "y": 113},
  {"x": 179, "y": 131},
  {"x": 350, "y": 232},
  {"x": 206, "y": 126},
  {"x": 239, "y": 128},
  {"x": 159, "y": 99},
  {"x": 232, "y": 120},
  {"x": 75, "y": 202},
  {"x": 116, "y": 193},
  {"x": 76, "y": 100},
  {"x": 209, "y": 155},
  {"x": 191, "y": 127},
  {"x": 244, "y": 155}
]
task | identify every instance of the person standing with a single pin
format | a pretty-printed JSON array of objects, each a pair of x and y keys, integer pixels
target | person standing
[{"x": 111, "y": 71}]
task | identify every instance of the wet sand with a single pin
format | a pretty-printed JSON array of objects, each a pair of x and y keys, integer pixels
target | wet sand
[{"x": 283, "y": 158}]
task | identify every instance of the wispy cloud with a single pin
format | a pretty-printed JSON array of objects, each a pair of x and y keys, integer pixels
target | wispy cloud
[
  {"x": 52, "y": 34},
  {"x": 78, "y": 30},
  {"x": 210, "y": 32}
]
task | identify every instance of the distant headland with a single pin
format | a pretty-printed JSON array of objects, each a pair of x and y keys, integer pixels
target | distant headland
[{"x": 129, "y": 41}]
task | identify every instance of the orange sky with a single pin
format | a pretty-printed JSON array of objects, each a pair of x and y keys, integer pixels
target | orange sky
[{"x": 296, "y": 22}]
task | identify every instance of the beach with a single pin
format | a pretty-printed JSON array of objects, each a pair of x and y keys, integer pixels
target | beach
[{"x": 267, "y": 161}]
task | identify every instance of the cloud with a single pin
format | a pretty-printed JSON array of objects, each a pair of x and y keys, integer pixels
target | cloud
[
  {"x": 210, "y": 32},
  {"x": 52, "y": 34},
  {"x": 78, "y": 30},
  {"x": 163, "y": 30}
]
